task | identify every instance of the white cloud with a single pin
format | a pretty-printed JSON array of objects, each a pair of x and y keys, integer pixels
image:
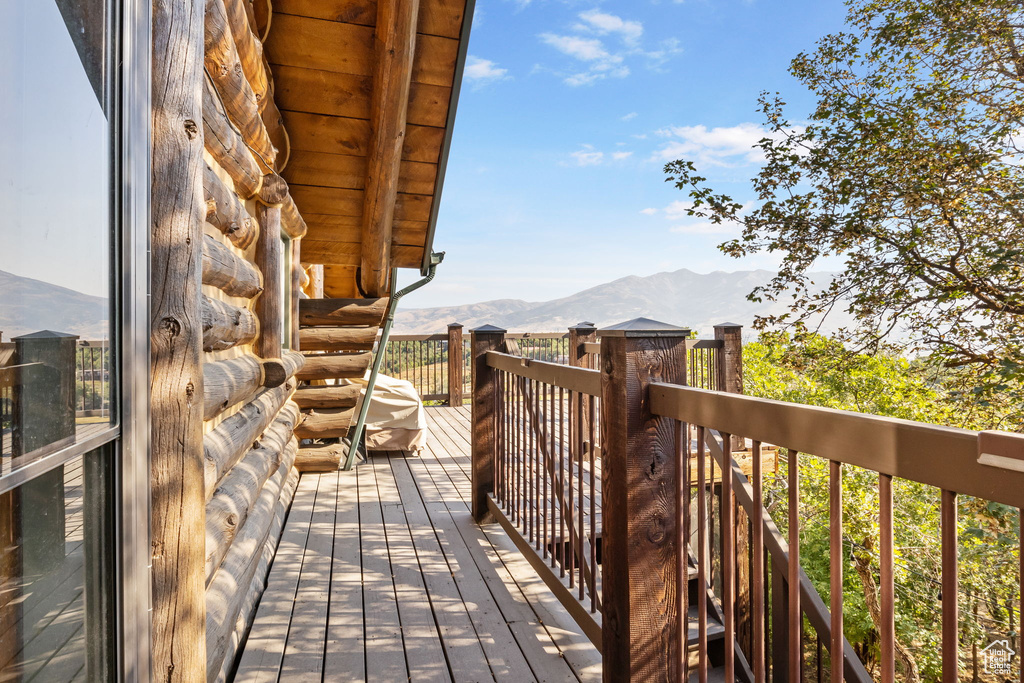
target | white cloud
[
  {"x": 601, "y": 61},
  {"x": 587, "y": 156},
  {"x": 482, "y": 71},
  {"x": 649, "y": 212},
  {"x": 677, "y": 210},
  {"x": 584, "y": 49},
  {"x": 604, "y": 24},
  {"x": 719, "y": 146},
  {"x": 619, "y": 156},
  {"x": 630, "y": 116}
]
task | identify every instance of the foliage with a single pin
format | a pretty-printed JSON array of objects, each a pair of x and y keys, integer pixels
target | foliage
[
  {"x": 909, "y": 169},
  {"x": 820, "y": 371}
]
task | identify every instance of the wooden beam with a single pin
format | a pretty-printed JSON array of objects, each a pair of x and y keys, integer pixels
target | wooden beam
[
  {"x": 277, "y": 371},
  {"x": 336, "y": 312},
  {"x": 316, "y": 286},
  {"x": 335, "y": 366},
  {"x": 320, "y": 458},
  {"x": 234, "y": 498},
  {"x": 296, "y": 288},
  {"x": 225, "y": 326},
  {"x": 226, "y": 146},
  {"x": 345, "y": 396},
  {"x": 229, "y": 382},
  {"x": 228, "y": 442},
  {"x": 269, "y": 259},
  {"x": 176, "y": 412},
  {"x": 327, "y": 423},
  {"x": 227, "y": 593},
  {"x": 395, "y": 50},
  {"x": 228, "y": 272},
  {"x": 338, "y": 338},
  {"x": 240, "y": 102},
  {"x": 226, "y": 212},
  {"x": 250, "y": 51},
  {"x": 291, "y": 219}
]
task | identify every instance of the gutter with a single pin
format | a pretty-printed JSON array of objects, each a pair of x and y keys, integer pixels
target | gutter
[
  {"x": 356, "y": 442},
  {"x": 449, "y": 130}
]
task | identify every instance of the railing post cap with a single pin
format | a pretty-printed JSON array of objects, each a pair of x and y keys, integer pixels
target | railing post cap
[
  {"x": 644, "y": 327},
  {"x": 728, "y": 326},
  {"x": 585, "y": 325},
  {"x": 488, "y": 329},
  {"x": 454, "y": 325},
  {"x": 45, "y": 334}
]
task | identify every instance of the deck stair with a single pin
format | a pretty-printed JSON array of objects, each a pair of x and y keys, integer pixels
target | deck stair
[
  {"x": 715, "y": 632},
  {"x": 336, "y": 337}
]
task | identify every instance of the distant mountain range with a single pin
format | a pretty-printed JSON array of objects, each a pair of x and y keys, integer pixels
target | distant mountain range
[
  {"x": 681, "y": 297},
  {"x": 28, "y": 305}
]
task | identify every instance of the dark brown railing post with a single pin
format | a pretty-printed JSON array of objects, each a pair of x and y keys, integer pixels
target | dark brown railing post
[
  {"x": 644, "y": 637},
  {"x": 579, "y": 412},
  {"x": 455, "y": 369},
  {"x": 730, "y": 365},
  {"x": 485, "y": 416},
  {"x": 579, "y": 335}
]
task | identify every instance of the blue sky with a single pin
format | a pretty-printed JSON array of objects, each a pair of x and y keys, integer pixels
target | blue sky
[{"x": 569, "y": 111}]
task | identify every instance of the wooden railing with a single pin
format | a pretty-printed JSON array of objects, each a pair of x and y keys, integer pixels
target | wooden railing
[
  {"x": 626, "y": 491},
  {"x": 439, "y": 374}
]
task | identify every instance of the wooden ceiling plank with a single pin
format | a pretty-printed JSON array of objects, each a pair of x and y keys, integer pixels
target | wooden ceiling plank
[
  {"x": 437, "y": 17},
  {"x": 343, "y": 170},
  {"x": 328, "y": 200},
  {"x": 340, "y": 135},
  {"x": 349, "y": 48},
  {"x": 315, "y": 91}
]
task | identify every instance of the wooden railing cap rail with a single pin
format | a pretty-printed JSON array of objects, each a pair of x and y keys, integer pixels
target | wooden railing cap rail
[
  {"x": 944, "y": 457},
  {"x": 581, "y": 380}
]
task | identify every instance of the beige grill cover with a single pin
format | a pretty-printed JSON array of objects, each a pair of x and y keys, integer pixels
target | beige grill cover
[{"x": 396, "y": 420}]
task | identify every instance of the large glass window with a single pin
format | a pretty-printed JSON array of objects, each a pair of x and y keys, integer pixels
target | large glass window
[
  {"x": 58, "y": 425},
  {"x": 55, "y": 237}
]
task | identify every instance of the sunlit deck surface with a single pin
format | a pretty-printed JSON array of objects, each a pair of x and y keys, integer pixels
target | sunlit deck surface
[{"x": 382, "y": 575}]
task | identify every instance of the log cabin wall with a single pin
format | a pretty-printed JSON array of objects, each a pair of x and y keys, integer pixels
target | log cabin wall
[{"x": 224, "y": 367}]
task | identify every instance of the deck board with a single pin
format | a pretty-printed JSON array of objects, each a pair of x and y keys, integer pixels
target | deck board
[{"x": 405, "y": 586}]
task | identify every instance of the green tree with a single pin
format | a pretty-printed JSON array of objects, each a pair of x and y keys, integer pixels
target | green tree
[
  {"x": 909, "y": 168},
  {"x": 816, "y": 370}
]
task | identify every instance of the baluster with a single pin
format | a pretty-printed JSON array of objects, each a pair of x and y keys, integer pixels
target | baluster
[
  {"x": 702, "y": 561},
  {"x": 795, "y": 625},
  {"x": 567, "y": 514},
  {"x": 887, "y": 628},
  {"x": 593, "y": 508},
  {"x": 728, "y": 558},
  {"x": 835, "y": 525},
  {"x": 758, "y": 568},
  {"x": 950, "y": 588}
]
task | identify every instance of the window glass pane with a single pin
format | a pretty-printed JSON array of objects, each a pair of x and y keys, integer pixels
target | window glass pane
[
  {"x": 55, "y": 239},
  {"x": 56, "y": 573}
]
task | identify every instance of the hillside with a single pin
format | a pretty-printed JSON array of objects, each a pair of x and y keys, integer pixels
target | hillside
[
  {"x": 681, "y": 297},
  {"x": 32, "y": 305}
]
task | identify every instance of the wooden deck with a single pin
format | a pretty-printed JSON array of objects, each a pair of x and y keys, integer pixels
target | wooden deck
[{"x": 382, "y": 575}]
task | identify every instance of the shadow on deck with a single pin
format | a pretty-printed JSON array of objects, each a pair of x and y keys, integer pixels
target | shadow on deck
[{"x": 382, "y": 575}]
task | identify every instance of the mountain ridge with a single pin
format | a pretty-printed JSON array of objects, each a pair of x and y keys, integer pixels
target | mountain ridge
[
  {"x": 681, "y": 297},
  {"x": 31, "y": 305}
]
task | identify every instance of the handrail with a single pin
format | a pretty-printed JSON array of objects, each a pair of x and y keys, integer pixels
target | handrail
[
  {"x": 811, "y": 603},
  {"x": 582, "y": 380},
  {"x": 944, "y": 457},
  {"x": 509, "y": 335}
]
